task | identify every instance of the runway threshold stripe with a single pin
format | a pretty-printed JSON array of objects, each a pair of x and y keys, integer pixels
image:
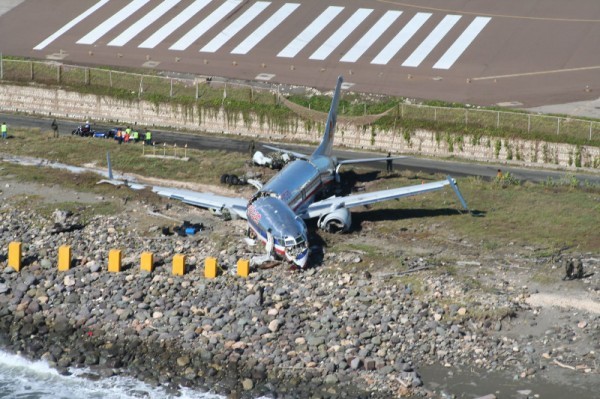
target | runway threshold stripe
[
  {"x": 237, "y": 25},
  {"x": 143, "y": 23},
  {"x": 205, "y": 25},
  {"x": 170, "y": 27},
  {"x": 112, "y": 22},
  {"x": 461, "y": 44},
  {"x": 436, "y": 35},
  {"x": 71, "y": 24},
  {"x": 267, "y": 27},
  {"x": 342, "y": 33},
  {"x": 401, "y": 38},
  {"x": 311, "y": 31},
  {"x": 371, "y": 36}
]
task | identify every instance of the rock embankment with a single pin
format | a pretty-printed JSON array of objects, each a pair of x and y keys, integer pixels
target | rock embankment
[{"x": 324, "y": 331}]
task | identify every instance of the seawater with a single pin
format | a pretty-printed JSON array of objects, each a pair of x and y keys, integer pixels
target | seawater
[{"x": 25, "y": 379}]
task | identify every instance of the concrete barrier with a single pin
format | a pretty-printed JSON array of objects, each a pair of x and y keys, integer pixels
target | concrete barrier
[
  {"x": 64, "y": 258},
  {"x": 147, "y": 262},
  {"x": 178, "y": 265},
  {"x": 243, "y": 267},
  {"x": 114, "y": 260},
  {"x": 15, "y": 255}
]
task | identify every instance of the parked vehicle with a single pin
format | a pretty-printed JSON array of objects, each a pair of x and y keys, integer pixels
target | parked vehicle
[
  {"x": 109, "y": 134},
  {"x": 83, "y": 131}
]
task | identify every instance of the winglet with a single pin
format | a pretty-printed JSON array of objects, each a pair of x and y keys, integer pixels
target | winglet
[
  {"x": 110, "y": 174},
  {"x": 457, "y": 192},
  {"x": 327, "y": 142}
]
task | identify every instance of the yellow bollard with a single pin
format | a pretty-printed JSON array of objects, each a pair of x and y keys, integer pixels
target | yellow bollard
[
  {"x": 64, "y": 258},
  {"x": 179, "y": 265},
  {"x": 243, "y": 267},
  {"x": 147, "y": 262},
  {"x": 210, "y": 268},
  {"x": 114, "y": 261},
  {"x": 15, "y": 255}
]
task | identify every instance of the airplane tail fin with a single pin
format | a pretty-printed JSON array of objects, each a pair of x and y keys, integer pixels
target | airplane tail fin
[{"x": 327, "y": 143}]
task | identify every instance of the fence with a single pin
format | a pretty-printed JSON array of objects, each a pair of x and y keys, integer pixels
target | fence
[{"x": 206, "y": 91}]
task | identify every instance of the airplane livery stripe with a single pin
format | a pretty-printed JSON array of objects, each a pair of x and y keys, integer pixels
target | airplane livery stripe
[
  {"x": 237, "y": 25},
  {"x": 143, "y": 23},
  {"x": 311, "y": 31},
  {"x": 461, "y": 44},
  {"x": 267, "y": 27},
  {"x": 112, "y": 22},
  {"x": 71, "y": 24},
  {"x": 342, "y": 33},
  {"x": 170, "y": 27},
  {"x": 205, "y": 25},
  {"x": 371, "y": 36},
  {"x": 438, "y": 33},
  {"x": 401, "y": 38}
]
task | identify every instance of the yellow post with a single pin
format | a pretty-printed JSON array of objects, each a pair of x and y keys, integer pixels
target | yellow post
[
  {"x": 15, "y": 255},
  {"x": 147, "y": 262},
  {"x": 114, "y": 261},
  {"x": 64, "y": 258},
  {"x": 243, "y": 267},
  {"x": 210, "y": 268},
  {"x": 179, "y": 265}
]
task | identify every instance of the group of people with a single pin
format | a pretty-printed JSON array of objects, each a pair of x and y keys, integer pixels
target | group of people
[{"x": 129, "y": 135}]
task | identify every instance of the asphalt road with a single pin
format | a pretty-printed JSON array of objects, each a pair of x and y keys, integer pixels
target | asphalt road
[{"x": 205, "y": 141}]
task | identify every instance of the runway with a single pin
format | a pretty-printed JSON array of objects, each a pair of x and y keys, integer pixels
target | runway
[{"x": 524, "y": 53}]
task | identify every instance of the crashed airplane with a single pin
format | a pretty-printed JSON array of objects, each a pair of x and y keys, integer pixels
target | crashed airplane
[{"x": 302, "y": 190}]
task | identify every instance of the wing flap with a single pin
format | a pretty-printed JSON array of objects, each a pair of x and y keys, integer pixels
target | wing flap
[{"x": 210, "y": 201}]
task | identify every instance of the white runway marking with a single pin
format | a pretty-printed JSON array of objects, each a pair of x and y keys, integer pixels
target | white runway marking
[
  {"x": 143, "y": 23},
  {"x": 173, "y": 24},
  {"x": 267, "y": 27},
  {"x": 205, "y": 25},
  {"x": 436, "y": 35},
  {"x": 461, "y": 44},
  {"x": 237, "y": 25},
  {"x": 371, "y": 36},
  {"x": 71, "y": 24},
  {"x": 112, "y": 22},
  {"x": 342, "y": 33},
  {"x": 310, "y": 32},
  {"x": 401, "y": 38}
]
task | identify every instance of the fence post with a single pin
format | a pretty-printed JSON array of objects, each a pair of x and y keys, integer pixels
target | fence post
[
  {"x": 557, "y": 126},
  {"x": 196, "y": 89},
  {"x": 31, "y": 69},
  {"x": 1, "y": 67},
  {"x": 402, "y": 115},
  {"x": 498, "y": 120},
  {"x": 466, "y": 117},
  {"x": 590, "y": 130},
  {"x": 435, "y": 114},
  {"x": 58, "y": 73},
  {"x": 141, "y": 87},
  {"x": 110, "y": 77},
  {"x": 529, "y": 123},
  {"x": 171, "y": 90},
  {"x": 87, "y": 76}
]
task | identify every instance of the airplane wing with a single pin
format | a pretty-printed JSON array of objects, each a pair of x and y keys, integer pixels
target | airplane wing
[
  {"x": 323, "y": 207},
  {"x": 295, "y": 154},
  {"x": 219, "y": 204},
  {"x": 362, "y": 160}
]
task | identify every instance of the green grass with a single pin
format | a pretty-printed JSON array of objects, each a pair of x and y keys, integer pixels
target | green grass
[{"x": 546, "y": 217}]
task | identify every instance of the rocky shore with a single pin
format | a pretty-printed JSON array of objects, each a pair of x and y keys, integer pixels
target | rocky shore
[{"x": 330, "y": 331}]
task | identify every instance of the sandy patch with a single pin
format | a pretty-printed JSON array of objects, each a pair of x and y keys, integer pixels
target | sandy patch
[{"x": 587, "y": 304}]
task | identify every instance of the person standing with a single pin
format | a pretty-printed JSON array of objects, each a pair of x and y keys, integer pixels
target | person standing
[
  {"x": 54, "y": 126},
  {"x": 4, "y": 130},
  {"x": 251, "y": 147},
  {"x": 148, "y": 137},
  {"x": 388, "y": 163}
]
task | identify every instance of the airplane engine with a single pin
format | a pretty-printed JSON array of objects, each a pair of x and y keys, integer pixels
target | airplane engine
[{"x": 338, "y": 221}]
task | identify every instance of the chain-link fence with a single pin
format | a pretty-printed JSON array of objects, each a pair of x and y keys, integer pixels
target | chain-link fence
[{"x": 207, "y": 91}]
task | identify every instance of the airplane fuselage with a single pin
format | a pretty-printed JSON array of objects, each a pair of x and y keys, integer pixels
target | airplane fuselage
[{"x": 280, "y": 205}]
